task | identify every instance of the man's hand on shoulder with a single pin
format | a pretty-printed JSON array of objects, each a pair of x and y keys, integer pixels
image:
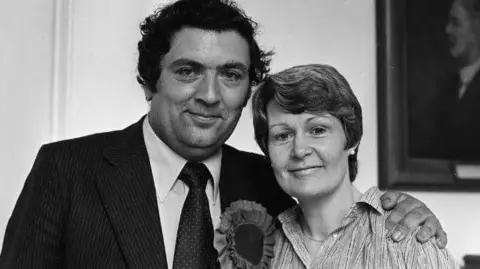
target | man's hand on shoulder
[{"x": 409, "y": 213}]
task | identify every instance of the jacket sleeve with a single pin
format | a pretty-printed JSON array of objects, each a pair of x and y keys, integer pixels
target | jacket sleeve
[{"x": 33, "y": 238}]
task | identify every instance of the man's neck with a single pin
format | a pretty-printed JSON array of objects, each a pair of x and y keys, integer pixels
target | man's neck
[
  {"x": 467, "y": 74},
  {"x": 469, "y": 59}
]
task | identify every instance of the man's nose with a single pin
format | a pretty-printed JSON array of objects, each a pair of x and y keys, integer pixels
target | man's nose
[
  {"x": 448, "y": 28},
  {"x": 208, "y": 90}
]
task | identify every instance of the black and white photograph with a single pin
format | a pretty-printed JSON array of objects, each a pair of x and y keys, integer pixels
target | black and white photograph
[{"x": 228, "y": 134}]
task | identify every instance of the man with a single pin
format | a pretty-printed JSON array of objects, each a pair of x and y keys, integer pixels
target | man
[
  {"x": 130, "y": 198},
  {"x": 459, "y": 104}
]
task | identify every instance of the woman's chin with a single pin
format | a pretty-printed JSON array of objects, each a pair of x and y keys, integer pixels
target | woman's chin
[{"x": 310, "y": 194}]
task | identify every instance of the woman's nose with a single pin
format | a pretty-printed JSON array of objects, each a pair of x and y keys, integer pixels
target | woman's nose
[{"x": 301, "y": 148}]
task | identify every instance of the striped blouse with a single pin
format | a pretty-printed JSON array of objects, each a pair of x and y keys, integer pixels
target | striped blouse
[{"x": 360, "y": 242}]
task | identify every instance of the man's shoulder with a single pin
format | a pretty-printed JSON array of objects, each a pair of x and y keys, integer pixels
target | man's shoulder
[
  {"x": 246, "y": 156},
  {"x": 96, "y": 141},
  {"x": 258, "y": 165},
  {"x": 255, "y": 171},
  {"x": 93, "y": 141}
]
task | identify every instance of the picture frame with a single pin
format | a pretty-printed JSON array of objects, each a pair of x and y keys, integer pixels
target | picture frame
[{"x": 404, "y": 70}]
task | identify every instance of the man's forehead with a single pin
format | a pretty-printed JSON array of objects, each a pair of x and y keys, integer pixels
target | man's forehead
[{"x": 209, "y": 47}]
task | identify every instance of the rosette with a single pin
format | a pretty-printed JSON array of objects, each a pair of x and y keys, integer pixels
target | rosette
[{"x": 245, "y": 237}]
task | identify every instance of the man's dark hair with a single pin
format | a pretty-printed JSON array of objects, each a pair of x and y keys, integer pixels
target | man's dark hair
[
  {"x": 472, "y": 6},
  {"x": 159, "y": 28}
]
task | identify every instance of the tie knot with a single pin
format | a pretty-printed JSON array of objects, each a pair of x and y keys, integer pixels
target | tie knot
[{"x": 195, "y": 175}]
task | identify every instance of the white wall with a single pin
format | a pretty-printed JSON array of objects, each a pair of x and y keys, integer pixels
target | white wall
[
  {"x": 103, "y": 83},
  {"x": 26, "y": 49},
  {"x": 101, "y": 93}
]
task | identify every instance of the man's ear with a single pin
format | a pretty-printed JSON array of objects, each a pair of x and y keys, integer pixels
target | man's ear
[
  {"x": 148, "y": 93},
  {"x": 247, "y": 98}
]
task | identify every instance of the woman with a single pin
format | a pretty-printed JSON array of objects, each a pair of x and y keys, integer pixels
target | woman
[{"x": 308, "y": 123}]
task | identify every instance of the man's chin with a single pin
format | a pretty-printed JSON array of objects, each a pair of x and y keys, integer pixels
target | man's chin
[
  {"x": 200, "y": 150},
  {"x": 453, "y": 53},
  {"x": 199, "y": 140},
  {"x": 457, "y": 54}
]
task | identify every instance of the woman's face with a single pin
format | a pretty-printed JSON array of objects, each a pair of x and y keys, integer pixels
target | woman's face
[{"x": 307, "y": 152}]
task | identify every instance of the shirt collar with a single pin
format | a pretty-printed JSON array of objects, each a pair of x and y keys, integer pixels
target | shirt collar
[
  {"x": 171, "y": 164},
  {"x": 371, "y": 198},
  {"x": 468, "y": 72},
  {"x": 289, "y": 215}
]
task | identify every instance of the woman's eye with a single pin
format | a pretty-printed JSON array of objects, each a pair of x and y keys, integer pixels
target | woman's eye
[
  {"x": 282, "y": 137},
  {"x": 318, "y": 131}
]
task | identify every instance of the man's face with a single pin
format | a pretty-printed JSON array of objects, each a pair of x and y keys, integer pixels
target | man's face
[
  {"x": 201, "y": 91},
  {"x": 463, "y": 33}
]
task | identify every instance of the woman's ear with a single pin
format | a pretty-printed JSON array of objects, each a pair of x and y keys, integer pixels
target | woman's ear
[{"x": 352, "y": 150}]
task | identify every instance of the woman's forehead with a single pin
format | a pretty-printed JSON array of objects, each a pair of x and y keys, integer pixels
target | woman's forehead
[
  {"x": 277, "y": 115},
  {"x": 275, "y": 110}
]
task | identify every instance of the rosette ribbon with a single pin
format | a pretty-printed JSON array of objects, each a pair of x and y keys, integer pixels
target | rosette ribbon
[{"x": 245, "y": 238}]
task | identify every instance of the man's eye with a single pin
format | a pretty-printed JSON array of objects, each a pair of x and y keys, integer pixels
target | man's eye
[
  {"x": 230, "y": 75},
  {"x": 187, "y": 72}
]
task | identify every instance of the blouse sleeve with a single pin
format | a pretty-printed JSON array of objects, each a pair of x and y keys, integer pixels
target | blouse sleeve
[{"x": 426, "y": 255}]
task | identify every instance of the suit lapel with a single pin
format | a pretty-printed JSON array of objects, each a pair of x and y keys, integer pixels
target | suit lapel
[
  {"x": 235, "y": 179},
  {"x": 128, "y": 192},
  {"x": 473, "y": 90}
]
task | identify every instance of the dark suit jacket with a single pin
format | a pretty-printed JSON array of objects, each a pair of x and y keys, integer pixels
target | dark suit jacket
[
  {"x": 90, "y": 203},
  {"x": 458, "y": 122}
]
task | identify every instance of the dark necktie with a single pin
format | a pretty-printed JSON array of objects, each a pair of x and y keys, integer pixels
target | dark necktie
[{"x": 194, "y": 248}]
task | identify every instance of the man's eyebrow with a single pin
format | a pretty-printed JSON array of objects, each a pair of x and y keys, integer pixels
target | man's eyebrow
[
  {"x": 186, "y": 61},
  {"x": 234, "y": 65}
]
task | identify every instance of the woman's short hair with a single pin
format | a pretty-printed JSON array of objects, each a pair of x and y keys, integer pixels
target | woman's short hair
[{"x": 315, "y": 89}]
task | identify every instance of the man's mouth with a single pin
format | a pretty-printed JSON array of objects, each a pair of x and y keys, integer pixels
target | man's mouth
[
  {"x": 204, "y": 118},
  {"x": 451, "y": 40},
  {"x": 205, "y": 115}
]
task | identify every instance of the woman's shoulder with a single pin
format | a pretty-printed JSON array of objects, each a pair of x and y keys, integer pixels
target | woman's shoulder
[
  {"x": 289, "y": 215},
  {"x": 408, "y": 251},
  {"x": 287, "y": 225},
  {"x": 288, "y": 241},
  {"x": 422, "y": 255}
]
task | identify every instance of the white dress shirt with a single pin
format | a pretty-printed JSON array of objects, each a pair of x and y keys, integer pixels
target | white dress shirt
[
  {"x": 466, "y": 76},
  {"x": 171, "y": 192}
]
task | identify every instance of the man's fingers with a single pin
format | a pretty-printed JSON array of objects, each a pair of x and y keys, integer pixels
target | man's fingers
[
  {"x": 405, "y": 205},
  {"x": 416, "y": 216},
  {"x": 408, "y": 214},
  {"x": 389, "y": 199},
  {"x": 431, "y": 228},
  {"x": 420, "y": 215},
  {"x": 441, "y": 238}
]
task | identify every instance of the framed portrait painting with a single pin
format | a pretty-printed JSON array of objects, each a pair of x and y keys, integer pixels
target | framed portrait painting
[{"x": 428, "y": 95}]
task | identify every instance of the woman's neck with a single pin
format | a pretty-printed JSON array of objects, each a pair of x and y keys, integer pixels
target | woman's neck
[{"x": 322, "y": 215}]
